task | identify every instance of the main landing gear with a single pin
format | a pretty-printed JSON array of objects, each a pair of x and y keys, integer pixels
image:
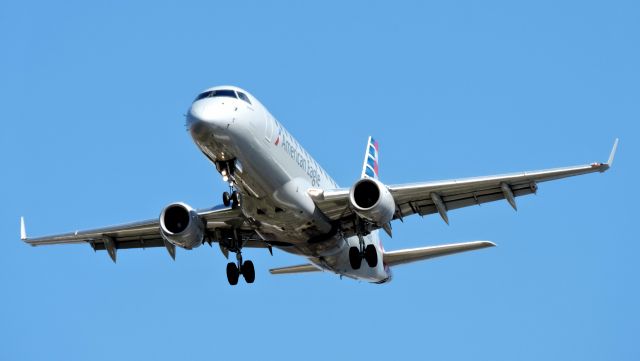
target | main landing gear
[
  {"x": 368, "y": 253},
  {"x": 234, "y": 243},
  {"x": 241, "y": 268}
]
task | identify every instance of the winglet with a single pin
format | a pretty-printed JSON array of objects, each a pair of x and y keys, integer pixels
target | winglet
[
  {"x": 613, "y": 153},
  {"x": 23, "y": 231}
]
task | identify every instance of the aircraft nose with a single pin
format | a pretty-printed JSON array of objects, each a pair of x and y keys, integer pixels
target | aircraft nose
[{"x": 208, "y": 112}]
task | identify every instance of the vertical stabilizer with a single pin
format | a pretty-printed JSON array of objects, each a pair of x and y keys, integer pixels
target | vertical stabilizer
[{"x": 370, "y": 166}]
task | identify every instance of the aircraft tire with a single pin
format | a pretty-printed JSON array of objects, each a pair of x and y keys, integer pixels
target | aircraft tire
[
  {"x": 232, "y": 273},
  {"x": 235, "y": 199},
  {"x": 371, "y": 255},
  {"x": 226, "y": 199},
  {"x": 355, "y": 259},
  {"x": 248, "y": 272}
]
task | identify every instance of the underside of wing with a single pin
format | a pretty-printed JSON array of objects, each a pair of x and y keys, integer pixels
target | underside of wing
[
  {"x": 129, "y": 235},
  {"x": 442, "y": 196},
  {"x": 219, "y": 223}
]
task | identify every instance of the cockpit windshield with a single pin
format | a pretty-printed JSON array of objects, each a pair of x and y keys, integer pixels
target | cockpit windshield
[
  {"x": 223, "y": 93},
  {"x": 217, "y": 93}
]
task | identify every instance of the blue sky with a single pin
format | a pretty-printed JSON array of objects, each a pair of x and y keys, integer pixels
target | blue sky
[{"x": 93, "y": 97}]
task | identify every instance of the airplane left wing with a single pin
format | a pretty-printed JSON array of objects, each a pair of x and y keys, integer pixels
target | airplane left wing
[
  {"x": 443, "y": 196},
  {"x": 144, "y": 234}
]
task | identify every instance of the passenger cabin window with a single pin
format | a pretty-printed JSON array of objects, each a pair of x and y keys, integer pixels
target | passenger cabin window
[
  {"x": 217, "y": 93},
  {"x": 244, "y": 97}
]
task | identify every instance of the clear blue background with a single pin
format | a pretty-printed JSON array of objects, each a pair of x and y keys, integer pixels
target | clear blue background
[{"x": 93, "y": 97}]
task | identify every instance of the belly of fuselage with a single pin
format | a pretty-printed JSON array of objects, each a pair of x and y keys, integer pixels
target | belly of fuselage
[{"x": 275, "y": 202}]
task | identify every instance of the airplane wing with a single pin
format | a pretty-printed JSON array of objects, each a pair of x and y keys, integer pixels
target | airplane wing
[
  {"x": 146, "y": 234},
  {"x": 443, "y": 196}
]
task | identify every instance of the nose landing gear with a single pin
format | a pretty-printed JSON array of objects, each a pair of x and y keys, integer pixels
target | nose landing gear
[
  {"x": 227, "y": 170},
  {"x": 231, "y": 199}
]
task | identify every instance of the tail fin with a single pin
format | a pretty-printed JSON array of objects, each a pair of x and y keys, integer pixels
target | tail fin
[{"x": 370, "y": 166}]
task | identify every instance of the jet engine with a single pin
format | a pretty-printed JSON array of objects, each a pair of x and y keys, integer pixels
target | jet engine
[
  {"x": 371, "y": 200},
  {"x": 180, "y": 225}
]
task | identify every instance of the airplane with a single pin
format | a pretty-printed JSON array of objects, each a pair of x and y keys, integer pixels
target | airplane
[{"x": 279, "y": 196}]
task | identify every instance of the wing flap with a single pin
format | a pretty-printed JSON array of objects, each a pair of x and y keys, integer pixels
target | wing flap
[
  {"x": 461, "y": 200},
  {"x": 394, "y": 258},
  {"x": 408, "y": 192},
  {"x": 129, "y": 244}
]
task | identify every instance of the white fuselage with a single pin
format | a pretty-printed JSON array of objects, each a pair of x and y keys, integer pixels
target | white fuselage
[{"x": 273, "y": 174}]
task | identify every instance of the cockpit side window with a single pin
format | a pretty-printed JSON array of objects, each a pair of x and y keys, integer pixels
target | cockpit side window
[
  {"x": 217, "y": 93},
  {"x": 244, "y": 97}
]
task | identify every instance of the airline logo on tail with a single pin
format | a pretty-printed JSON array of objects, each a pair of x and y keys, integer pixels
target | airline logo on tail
[{"x": 370, "y": 167}]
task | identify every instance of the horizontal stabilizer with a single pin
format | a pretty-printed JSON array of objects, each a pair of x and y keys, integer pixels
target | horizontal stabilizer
[
  {"x": 394, "y": 258},
  {"x": 303, "y": 268}
]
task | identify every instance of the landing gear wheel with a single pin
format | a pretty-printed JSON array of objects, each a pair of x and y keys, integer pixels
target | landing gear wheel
[
  {"x": 371, "y": 255},
  {"x": 248, "y": 272},
  {"x": 226, "y": 199},
  {"x": 233, "y": 273},
  {"x": 355, "y": 259},
  {"x": 235, "y": 199}
]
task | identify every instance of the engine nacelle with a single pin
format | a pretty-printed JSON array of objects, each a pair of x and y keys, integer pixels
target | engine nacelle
[
  {"x": 180, "y": 225},
  {"x": 371, "y": 200}
]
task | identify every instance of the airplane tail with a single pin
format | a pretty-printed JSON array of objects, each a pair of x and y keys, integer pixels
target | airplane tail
[{"x": 370, "y": 166}]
